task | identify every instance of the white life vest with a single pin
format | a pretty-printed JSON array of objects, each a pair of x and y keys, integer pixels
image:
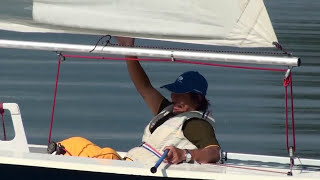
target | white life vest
[{"x": 168, "y": 134}]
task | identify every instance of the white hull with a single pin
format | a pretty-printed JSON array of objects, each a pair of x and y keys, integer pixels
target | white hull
[
  {"x": 17, "y": 153},
  {"x": 233, "y": 169}
]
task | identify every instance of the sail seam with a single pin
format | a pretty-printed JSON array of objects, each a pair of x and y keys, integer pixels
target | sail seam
[
  {"x": 244, "y": 9},
  {"x": 252, "y": 27}
]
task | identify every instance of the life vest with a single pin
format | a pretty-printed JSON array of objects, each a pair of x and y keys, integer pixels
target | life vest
[
  {"x": 81, "y": 147},
  {"x": 168, "y": 134}
]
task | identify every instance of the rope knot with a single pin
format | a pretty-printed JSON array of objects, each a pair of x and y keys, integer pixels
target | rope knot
[
  {"x": 287, "y": 78},
  {"x": 287, "y": 81}
]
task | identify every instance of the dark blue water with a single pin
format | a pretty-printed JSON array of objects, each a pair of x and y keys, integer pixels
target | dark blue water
[{"x": 97, "y": 100}]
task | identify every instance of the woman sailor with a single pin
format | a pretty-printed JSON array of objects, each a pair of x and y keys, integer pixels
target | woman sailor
[{"x": 182, "y": 126}]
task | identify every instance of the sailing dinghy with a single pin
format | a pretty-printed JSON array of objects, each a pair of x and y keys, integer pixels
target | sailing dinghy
[{"x": 231, "y": 23}]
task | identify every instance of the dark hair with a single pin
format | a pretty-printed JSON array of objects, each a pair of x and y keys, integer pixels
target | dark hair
[{"x": 201, "y": 100}]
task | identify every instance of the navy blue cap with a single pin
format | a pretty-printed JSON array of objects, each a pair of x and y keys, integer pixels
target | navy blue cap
[{"x": 190, "y": 81}]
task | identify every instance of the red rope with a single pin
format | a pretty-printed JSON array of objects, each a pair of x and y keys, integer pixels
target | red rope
[
  {"x": 292, "y": 117},
  {"x": 67, "y": 151},
  {"x": 230, "y": 66},
  {"x": 3, "y": 125},
  {"x": 176, "y": 60},
  {"x": 54, "y": 99},
  {"x": 286, "y": 82}
]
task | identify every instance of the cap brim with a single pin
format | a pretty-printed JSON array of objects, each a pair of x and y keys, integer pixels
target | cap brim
[{"x": 175, "y": 89}]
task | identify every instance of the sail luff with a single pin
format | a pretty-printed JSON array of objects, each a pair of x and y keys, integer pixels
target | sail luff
[{"x": 155, "y": 53}]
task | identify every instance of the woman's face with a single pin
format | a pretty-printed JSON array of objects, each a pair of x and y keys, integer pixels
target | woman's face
[{"x": 182, "y": 103}]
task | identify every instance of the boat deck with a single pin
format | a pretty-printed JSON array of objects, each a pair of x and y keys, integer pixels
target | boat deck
[
  {"x": 26, "y": 160},
  {"x": 239, "y": 166}
]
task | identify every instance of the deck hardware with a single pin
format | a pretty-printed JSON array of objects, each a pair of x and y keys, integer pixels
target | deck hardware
[
  {"x": 291, "y": 160},
  {"x": 62, "y": 58},
  {"x": 172, "y": 58}
]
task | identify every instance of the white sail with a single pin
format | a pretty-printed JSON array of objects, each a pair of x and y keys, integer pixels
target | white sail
[{"x": 242, "y": 23}]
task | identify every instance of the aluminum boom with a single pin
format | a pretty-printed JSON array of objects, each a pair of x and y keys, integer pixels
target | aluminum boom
[{"x": 157, "y": 53}]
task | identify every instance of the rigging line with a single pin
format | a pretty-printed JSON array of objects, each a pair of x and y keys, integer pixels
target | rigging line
[
  {"x": 176, "y": 60},
  {"x": 248, "y": 168},
  {"x": 286, "y": 115},
  {"x": 195, "y": 50},
  {"x": 108, "y": 43},
  {"x": 206, "y": 50},
  {"x": 230, "y": 66},
  {"x": 279, "y": 46},
  {"x": 300, "y": 164},
  {"x": 67, "y": 151},
  {"x": 54, "y": 97},
  {"x": 105, "y": 44},
  {"x": 286, "y": 82},
  {"x": 3, "y": 125},
  {"x": 114, "y": 58},
  {"x": 292, "y": 116}
]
